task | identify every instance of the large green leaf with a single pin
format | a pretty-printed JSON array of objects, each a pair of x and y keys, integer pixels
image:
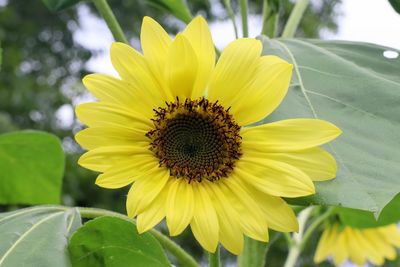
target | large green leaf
[
  {"x": 396, "y": 5},
  {"x": 32, "y": 167},
  {"x": 37, "y": 236},
  {"x": 57, "y": 5},
  {"x": 178, "y": 8},
  {"x": 114, "y": 242},
  {"x": 364, "y": 219},
  {"x": 354, "y": 86}
]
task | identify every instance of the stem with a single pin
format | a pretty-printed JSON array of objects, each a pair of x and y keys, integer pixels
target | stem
[
  {"x": 265, "y": 15},
  {"x": 291, "y": 259},
  {"x": 112, "y": 23},
  {"x": 299, "y": 240},
  {"x": 294, "y": 250},
  {"x": 254, "y": 253},
  {"x": 231, "y": 16},
  {"x": 184, "y": 258},
  {"x": 214, "y": 258},
  {"x": 244, "y": 13},
  {"x": 294, "y": 18},
  {"x": 313, "y": 226}
]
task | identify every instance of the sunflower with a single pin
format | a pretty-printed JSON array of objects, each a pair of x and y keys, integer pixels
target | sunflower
[
  {"x": 358, "y": 245},
  {"x": 174, "y": 126}
]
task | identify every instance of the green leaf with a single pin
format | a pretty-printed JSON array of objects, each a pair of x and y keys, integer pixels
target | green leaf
[
  {"x": 57, "y": 5},
  {"x": 32, "y": 167},
  {"x": 396, "y": 5},
  {"x": 364, "y": 219},
  {"x": 354, "y": 86},
  {"x": 37, "y": 236},
  {"x": 109, "y": 241},
  {"x": 178, "y": 8}
]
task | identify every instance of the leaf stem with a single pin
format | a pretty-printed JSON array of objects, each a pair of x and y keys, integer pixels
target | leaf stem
[
  {"x": 112, "y": 23},
  {"x": 231, "y": 14},
  {"x": 244, "y": 14},
  {"x": 294, "y": 247},
  {"x": 254, "y": 253},
  {"x": 295, "y": 18},
  {"x": 314, "y": 225},
  {"x": 214, "y": 258},
  {"x": 265, "y": 14},
  {"x": 270, "y": 19},
  {"x": 299, "y": 240},
  {"x": 183, "y": 257}
]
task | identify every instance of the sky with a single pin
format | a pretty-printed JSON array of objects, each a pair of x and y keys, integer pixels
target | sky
[{"x": 374, "y": 22}]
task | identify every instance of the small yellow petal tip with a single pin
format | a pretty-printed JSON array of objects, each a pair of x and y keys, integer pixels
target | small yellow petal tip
[
  {"x": 141, "y": 228},
  {"x": 87, "y": 79},
  {"x": 149, "y": 21}
]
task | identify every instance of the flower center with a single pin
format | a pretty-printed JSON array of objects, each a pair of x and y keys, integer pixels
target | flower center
[{"x": 195, "y": 139}]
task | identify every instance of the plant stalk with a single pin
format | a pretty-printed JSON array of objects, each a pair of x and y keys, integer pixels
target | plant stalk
[
  {"x": 295, "y": 245},
  {"x": 183, "y": 257},
  {"x": 231, "y": 14},
  {"x": 254, "y": 253},
  {"x": 214, "y": 258},
  {"x": 265, "y": 14},
  {"x": 112, "y": 23},
  {"x": 295, "y": 18},
  {"x": 299, "y": 240},
  {"x": 244, "y": 14}
]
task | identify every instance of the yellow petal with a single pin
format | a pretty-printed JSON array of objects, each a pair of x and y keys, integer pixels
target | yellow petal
[
  {"x": 289, "y": 135},
  {"x": 199, "y": 36},
  {"x": 230, "y": 233},
  {"x": 356, "y": 252},
  {"x": 109, "y": 89},
  {"x": 325, "y": 244},
  {"x": 126, "y": 171},
  {"x": 102, "y": 158},
  {"x": 252, "y": 220},
  {"x": 179, "y": 206},
  {"x": 145, "y": 190},
  {"x": 133, "y": 68},
  {"x": 204, "y": 225},
  {"x": 318, "y": 164},
  {"x": 278, "y": 214},
  {"x": 181, "y": 67},
  {"x": 127, "y": 61},
  {"x": 266, "y": 91},
  {"x": 391, "y": 234},
  {"x": 273, "y": 177},
  {"x": 234, "y": 70},
  {"x": 95, "y": 137},
  {"x": 154, "y": 213},
  {"x": 99, "y": 114},
  {"x": 341, "y": 249},
  {"x": 155, "y": 43},
  {"x": 383, "y": 248},
  {"x": 370, "y": 250},
  {"x": 139, "y": 97}
]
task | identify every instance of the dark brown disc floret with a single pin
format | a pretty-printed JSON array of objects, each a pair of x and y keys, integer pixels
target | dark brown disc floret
[{"x": 195, "y": 139}]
